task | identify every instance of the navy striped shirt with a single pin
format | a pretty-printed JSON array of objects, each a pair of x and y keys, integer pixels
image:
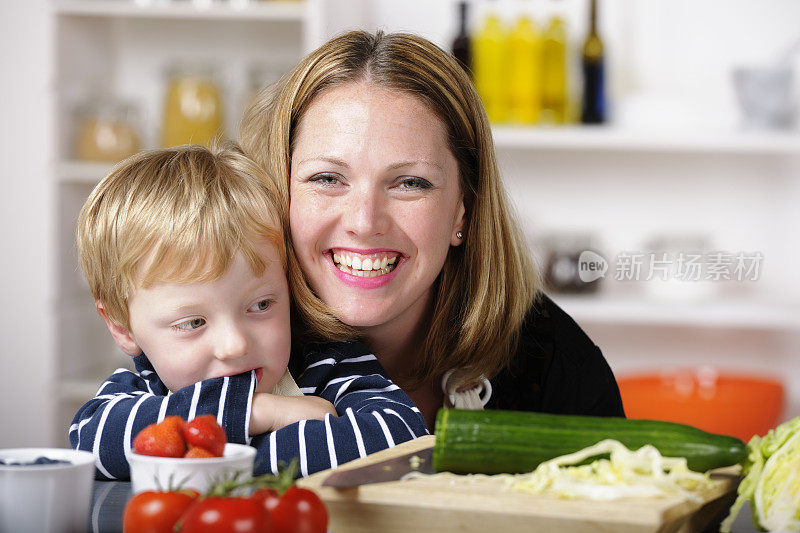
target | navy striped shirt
[{"x": 374, "y": 413}]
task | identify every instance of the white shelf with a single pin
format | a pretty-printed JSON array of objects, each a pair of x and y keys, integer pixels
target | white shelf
[
  {"x": 272, "y": 10},
  {"x": 610, "y": 138},
  {"x": 733, "y": 314},
  {"x": 82, "y": 172}
]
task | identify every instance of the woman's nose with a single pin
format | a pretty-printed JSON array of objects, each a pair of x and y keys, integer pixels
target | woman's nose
[
  {"x": 366, "y": 214},
  {"x": 231, "y": 342}
]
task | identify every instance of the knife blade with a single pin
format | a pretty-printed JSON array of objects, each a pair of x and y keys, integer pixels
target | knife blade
[{"x": 382, "y": 471}]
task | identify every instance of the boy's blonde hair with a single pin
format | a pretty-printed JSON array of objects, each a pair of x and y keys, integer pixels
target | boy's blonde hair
[{"x": 175, "y": 215}]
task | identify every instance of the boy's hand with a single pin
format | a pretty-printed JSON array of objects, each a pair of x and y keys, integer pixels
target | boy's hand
[{"x": 270, "y": 412}]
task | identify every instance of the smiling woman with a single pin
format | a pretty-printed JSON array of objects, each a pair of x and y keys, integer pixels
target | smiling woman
[
  {"x": 401, "y": 233},
  {"x": 391, "y": 194}
]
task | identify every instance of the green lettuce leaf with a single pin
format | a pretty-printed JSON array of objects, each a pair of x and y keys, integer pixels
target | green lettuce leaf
[{"x": 771, "y": 480}]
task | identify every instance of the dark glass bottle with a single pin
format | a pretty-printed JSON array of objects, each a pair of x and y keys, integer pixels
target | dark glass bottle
[
  {"x": 593, "y": 109},
  {"x": 461, "y": 44}
]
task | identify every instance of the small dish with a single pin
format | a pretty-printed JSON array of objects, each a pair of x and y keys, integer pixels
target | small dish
[
  {"x": 45, "y": 497},
  {"x": 160, "y": 473}
]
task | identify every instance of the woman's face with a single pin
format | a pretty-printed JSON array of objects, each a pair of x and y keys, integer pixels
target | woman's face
[{"x": 375, "y": 203}]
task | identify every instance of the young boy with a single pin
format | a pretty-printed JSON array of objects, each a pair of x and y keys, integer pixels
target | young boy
[{"x": 183, "y": 250}]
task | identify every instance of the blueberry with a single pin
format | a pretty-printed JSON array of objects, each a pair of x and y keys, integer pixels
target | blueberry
[{"x": 38, "y": 461}]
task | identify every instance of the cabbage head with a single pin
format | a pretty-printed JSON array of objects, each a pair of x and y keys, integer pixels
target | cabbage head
[{"x": 771, "y": 480}]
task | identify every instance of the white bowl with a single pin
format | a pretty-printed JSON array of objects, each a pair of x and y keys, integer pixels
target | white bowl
[
  {"x": 160, "y": 473},
  {"x": 55, "y": 497}
]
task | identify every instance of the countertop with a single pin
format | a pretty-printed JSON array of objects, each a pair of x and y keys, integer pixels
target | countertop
[{"x": 109, "y": 499}]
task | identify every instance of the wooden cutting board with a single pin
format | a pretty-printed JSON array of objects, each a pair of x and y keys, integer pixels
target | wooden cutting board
[{"x": 484, "y": 505}]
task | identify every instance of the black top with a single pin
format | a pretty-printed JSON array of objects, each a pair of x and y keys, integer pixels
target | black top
[{"x": 557, "y": 369}]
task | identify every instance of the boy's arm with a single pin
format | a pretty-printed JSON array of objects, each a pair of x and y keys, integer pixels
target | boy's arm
[
  {"x": 271, "y": 411},
  {"x": 128, "y": 401},
  {"x": 374, "y": 414}
]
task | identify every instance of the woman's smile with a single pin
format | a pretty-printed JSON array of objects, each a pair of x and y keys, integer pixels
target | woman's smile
[
  {"x": 365, "y": 265},
  {"x": 365, "y": 269}
]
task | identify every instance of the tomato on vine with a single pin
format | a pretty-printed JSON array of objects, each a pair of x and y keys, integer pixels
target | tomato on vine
[
  {"x": 297, "y": 511},
  {"x": 156, "y": 511},
  {"x": 226, "y": 514}
]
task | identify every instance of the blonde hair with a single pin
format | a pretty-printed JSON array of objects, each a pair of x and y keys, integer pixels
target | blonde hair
[
  {"x": 175, "y": 215},
  {"x": 487, "y": 284}
]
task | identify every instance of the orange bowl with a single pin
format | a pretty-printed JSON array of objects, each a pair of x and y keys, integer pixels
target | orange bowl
[{"x": 729, "y": 404}]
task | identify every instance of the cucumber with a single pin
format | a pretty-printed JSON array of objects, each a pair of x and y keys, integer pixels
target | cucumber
[{"x": 493, "y": 442}]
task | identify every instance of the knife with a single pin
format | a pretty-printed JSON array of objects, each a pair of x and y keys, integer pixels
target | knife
[{"x": 388, "y": 470}]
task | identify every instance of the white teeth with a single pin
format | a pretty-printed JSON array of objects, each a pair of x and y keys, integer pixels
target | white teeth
[{"x": 368, "y": 267}]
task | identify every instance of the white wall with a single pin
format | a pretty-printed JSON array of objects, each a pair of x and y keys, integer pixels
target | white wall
[{"x": 27, "y": 251}]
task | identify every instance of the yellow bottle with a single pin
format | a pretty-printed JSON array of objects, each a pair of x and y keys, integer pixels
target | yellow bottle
[
  {"x": 524, "y": 72},
  {"x": 490, "y": 67},
  {"x": 555, "y": 101},
  {"x": 193, "y": 111}
]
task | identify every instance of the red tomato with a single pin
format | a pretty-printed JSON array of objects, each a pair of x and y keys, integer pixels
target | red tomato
[
  {"x": 218, "y": 514},
  {"x": 297, "y": 511},
  {"x": 269, "y": 497},
  {"x": 156, "y": 512}
]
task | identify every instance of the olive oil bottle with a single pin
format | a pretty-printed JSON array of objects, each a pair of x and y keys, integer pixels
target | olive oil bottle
[
  {"x": 555, "y": 100},
  {"x": 593, "y": 109},
  {"x": 490, "y": 72},
  {"x": 524, "y": 72},
  {"x": 462, "y": 47}
]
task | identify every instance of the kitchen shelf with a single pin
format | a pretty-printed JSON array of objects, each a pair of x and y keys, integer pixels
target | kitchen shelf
[
  {"x": 82, "y": 172},
  {"x": 273, "y": 10},
  {"x": 610, "y": 138},
  {"x": 733, "y": 314}
]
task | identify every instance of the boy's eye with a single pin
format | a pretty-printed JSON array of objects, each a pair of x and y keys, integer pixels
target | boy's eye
[
  {"x": 191, "y": 324},
  {"x": 261, "y": 305}
]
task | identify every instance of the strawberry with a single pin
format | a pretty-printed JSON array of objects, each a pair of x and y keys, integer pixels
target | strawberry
[
  {"x": 162, "y": 440},
  {"x": 196, "y": 452},
  {"x": 204, "y": 432}
]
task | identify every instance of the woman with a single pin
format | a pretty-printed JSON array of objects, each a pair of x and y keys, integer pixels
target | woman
[{"x": 401, "y": 233}]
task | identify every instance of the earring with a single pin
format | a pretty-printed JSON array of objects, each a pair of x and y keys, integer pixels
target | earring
[{"x": 459, "y": 235}]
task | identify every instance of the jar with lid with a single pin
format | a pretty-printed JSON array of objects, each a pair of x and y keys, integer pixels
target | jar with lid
[
  {"x": 106, "y": 130},
  {"x": 193, "y": 106},
  {"x": 562, "y": 270}
]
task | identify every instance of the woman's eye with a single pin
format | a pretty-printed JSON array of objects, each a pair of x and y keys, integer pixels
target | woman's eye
[
  {"x": 191, "y": 324},
  {"x": 261, "y": 305},
  {"x": 415, "y": 183},
  {"x": 325, "y": 179}
]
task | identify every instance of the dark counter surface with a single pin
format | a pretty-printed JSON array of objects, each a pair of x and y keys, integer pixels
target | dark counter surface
[{"x": 109, "y": 499}]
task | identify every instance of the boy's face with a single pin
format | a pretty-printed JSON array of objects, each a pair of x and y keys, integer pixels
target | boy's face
[{"x": 201, "y": 330}]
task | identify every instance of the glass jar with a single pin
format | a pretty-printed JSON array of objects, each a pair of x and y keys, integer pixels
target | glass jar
[
  {"x": 105, "y": 131},
  {"x": 563, "y": 268},
  {"x": 193, "y": 107}
]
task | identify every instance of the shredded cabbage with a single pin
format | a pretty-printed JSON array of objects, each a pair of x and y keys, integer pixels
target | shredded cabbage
[
  {"x": 643, "y": 473},
  {"x": 772, "y": 480}
]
